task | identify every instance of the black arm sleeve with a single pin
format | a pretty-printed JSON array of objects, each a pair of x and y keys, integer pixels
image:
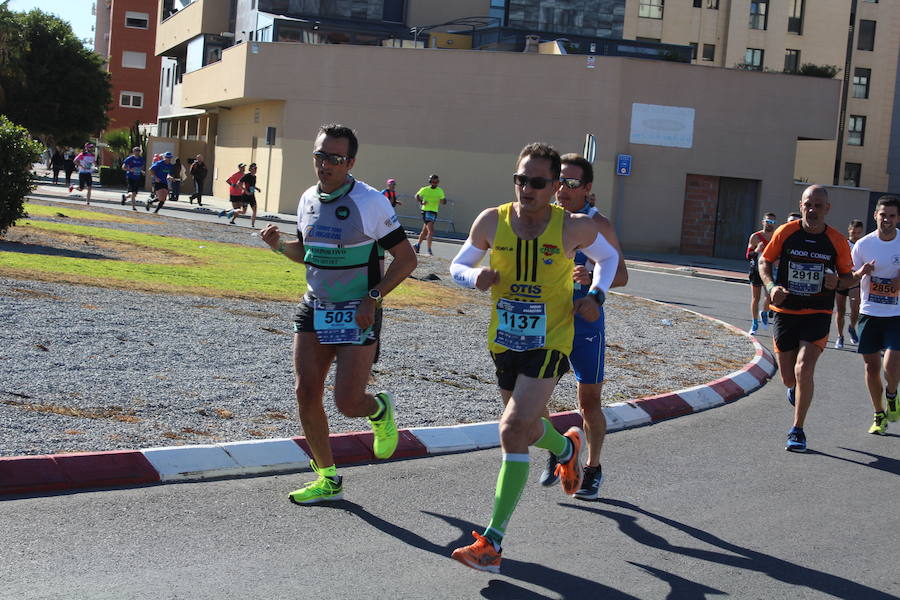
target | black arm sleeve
[{"x": 392, "y": 239}]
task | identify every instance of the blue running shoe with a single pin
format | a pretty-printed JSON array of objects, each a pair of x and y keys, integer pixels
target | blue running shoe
[
  {"x": 764, "y": 318},
  {"x": 754, "y": 327},
  {"x": 792, "y": 395},
  {"x": 853, "y": 337},
  {"x": 796, "y": 440}
]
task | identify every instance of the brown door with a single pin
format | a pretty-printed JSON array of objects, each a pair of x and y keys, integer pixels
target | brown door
[{"x": 735, "y": 216}]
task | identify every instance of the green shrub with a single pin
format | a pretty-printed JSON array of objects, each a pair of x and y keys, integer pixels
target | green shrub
[
  {"x": 17, "y": 153},
  {"x": 119, "y": 142},
  {"x": 112, "y": 177},
  {"x": 812, "y": 70}
]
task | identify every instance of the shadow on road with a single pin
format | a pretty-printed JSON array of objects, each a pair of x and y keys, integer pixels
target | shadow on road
[
  {"x": 562, "y": 584},
  {"x": 737, "y": 557},
  {"x": 882, "y": 463}
]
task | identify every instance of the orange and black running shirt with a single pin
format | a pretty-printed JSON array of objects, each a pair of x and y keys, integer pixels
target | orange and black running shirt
[{"x": 805, "y": 258}]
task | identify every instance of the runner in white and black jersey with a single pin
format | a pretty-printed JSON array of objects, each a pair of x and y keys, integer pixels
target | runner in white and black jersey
[
  {"x": 876, "y": 262},
  {"x": 343, "y": 228}
]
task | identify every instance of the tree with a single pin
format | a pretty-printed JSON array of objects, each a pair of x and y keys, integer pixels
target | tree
[
  {"x": 119, "y": 142},
  {"x": 17, "y": 153},
  {"x": 813, "y": 70},
  {"x": 55, "y": 88}
]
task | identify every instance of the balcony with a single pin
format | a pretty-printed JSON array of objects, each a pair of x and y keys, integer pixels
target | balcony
[{"x": 197, "y": 18}]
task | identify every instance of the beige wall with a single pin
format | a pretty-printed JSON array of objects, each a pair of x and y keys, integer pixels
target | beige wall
[
  {"x": 413, "y": 119},
  {"x": 200, "y": 16},
  {"x": 847, "y": 203}
]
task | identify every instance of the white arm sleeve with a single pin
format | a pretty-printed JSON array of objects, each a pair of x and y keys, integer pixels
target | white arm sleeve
[
  {"x": 606, "y": 262},
  {"x": 464, "y": 266}
]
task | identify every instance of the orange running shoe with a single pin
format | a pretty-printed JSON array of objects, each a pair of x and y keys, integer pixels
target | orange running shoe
[
  {"x": 480, "y": 555},
  {"x": 571, "y": 472}
]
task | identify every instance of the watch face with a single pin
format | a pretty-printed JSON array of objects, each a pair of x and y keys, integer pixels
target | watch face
[{"x": 374, "y": 294}]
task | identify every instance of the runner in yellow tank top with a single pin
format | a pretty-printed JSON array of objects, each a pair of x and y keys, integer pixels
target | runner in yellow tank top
[
  {"x": 533, "y": 299},
  {"x": 532, "y": 248}
]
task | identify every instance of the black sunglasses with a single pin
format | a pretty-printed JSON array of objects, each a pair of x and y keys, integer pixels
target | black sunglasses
[
  {"x": 332, "y": 159},
  {"x": 571, "y": 182},
  {"x": 536, "y": 183}
]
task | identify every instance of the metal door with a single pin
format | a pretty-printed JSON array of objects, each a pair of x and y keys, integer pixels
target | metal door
[{"x": 735, "y": 216}]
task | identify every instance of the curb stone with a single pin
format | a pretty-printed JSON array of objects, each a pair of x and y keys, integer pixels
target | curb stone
[{"x": 34, "y": 475}]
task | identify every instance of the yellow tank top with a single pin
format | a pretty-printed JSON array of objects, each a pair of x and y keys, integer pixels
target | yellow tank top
[{"x": 533, "y": 299}]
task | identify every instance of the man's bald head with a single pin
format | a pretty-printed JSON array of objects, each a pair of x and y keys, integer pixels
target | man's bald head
[{"x": 816, "y": 190}]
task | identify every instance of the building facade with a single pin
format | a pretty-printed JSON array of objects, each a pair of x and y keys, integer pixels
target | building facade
[
  {"x": 861, "y": 38},
  {"x": 125, "y": 35}
]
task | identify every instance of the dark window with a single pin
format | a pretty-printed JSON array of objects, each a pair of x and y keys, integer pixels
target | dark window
[
  {"x": 872, "y": 1},
  {"x": 791, "y": 60},
  {"x": 851, "y": 174},
  {"x": 795, "y": 17},
  {"x": 753, "y": 58},
  {"x": 759, "y": 14},
  {"x": 709, "y": 52},
  {"x": 393, "y": 11},
  {"x": 646, "y": 39},
  {"x": 856, "y": 130},
  {"x": 498, "y": 10},
  {"x": 712, "y": 4},
  {"x": 693, "y": 50},
  {"x": 866, "y": 38},
  {"x": 651, "y": 9},
  {"x": 698, "y": 3},
  {"x": 861, "y": 82}
]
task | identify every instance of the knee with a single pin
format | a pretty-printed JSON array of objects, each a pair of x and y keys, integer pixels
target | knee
[
  {"x": 350, "y": 405},
  {"x": 513, "y": 430},
  {"x": 873, "y": 368}
]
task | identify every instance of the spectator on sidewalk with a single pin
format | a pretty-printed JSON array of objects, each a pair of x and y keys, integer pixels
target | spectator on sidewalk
[
  {"x": 68, "y": 165},
  {"x": 198, "y": 173},
  {"x": 56, "y": 164}
]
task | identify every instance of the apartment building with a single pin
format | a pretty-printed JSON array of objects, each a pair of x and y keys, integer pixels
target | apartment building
[
  {"x": 704, "y": 164},
  {"x": 860, "y": 37},
  {"x": 125, "y": 35}
]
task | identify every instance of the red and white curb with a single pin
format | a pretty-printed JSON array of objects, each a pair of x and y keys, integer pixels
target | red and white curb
[{"x": 91, "y": 470}]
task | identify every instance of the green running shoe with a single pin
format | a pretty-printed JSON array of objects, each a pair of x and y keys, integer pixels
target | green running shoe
[
  {"x": 893, "y": 410},
  {"x": 385, "y": 429},
  {"x": 323, "y": 489},
  {"x": 879, "y": 424}
]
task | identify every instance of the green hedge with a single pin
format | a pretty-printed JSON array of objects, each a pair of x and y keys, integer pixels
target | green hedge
[{"x": 111, "y": 177}]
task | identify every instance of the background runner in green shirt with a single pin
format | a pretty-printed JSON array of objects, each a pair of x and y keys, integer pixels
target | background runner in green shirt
[{"x": 430, "y": 197}]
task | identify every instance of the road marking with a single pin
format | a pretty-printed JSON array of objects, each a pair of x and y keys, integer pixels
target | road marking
[{"x": 630, "y": 269}]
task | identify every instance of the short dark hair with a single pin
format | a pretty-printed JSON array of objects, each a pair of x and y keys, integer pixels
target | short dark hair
[
  {"x": 769, "y": 214},
  {"x": 335, "y": 130},
  {"x": 856, "y": 223},
  {"x": 542, "y": 150},
  {"x": 795, "y": 215},
  {"x": 587, "y": 169},
  {"x": 889, "y": 200}
]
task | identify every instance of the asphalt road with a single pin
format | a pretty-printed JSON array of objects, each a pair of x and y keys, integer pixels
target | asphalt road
[{"x": 702, "y": 506}]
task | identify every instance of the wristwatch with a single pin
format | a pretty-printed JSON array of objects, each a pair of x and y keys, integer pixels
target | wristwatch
[
  {"x": 375, "y": 294},
  {"x": 598, "y": 296}
]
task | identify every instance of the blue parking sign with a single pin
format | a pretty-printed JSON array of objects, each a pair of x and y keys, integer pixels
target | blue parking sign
[{"x": 623, "y": 164}]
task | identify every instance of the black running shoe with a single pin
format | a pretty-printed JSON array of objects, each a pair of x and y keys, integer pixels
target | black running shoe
[
  {"x": 549, "y": 476},
  {"x": 590, "y": 485},
  {"x": 123, "y": 199}
]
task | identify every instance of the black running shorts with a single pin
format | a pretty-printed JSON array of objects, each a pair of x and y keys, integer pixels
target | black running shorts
[
  {"x": 877, "y": 334},
  {"x": 540, "y": 364},
  {"x": 304, "y": 321},
  {"x": 788, "y": 330}
]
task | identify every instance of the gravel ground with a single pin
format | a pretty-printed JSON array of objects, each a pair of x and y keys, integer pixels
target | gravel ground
[{"x": 86, "y": 368}]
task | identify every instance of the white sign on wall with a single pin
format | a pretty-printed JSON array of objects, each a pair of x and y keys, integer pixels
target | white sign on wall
[{"x": 657, "y": 125}]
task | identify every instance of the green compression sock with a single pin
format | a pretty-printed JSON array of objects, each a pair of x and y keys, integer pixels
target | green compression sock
[
  {"x": 510, "y": 482},
  {"x": 554, "y": 441}
]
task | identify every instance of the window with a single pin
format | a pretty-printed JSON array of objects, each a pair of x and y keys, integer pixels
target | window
[
  {"x": 651, "y": 9},
  {"x": 866, "y": 38},
  {"x": 753, "y": 59},
  {"x": 861, "y": 82},
  {"x": 392, "y": 12},
  {"x": 856, "y": 130},
  {"x": 709, "y": 52},
  {"x": 795, "y": 17},
  {"x": 759, "y": 14},
  {"x": 134, "y": 60},
  {"x": 137, "y": 20},
  {"x": 791, "y": 60},
  {"x": 131, "y": 99},
  {"x": 714, "y": 4},
  {"x": 851, "y": 174},
  {"x": 648, "y": 39},
  {"x": 872, "y": 1},
  {"x": 698, "y": 3},
  {"x": 693, "y": 50}
]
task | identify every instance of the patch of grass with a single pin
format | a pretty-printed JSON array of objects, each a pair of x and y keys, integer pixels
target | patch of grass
[
  {"x": 186, "y": 266},
  {"x": 39, "y": 210}
]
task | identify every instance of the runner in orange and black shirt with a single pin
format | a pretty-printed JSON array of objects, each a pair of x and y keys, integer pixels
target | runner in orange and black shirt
[{"x": 815, "y": 259}]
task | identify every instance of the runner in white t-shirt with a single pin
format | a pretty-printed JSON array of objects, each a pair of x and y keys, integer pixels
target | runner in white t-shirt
[
  {"x": 876, "y": 262},
  {"x": 85, "y": 163}
]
